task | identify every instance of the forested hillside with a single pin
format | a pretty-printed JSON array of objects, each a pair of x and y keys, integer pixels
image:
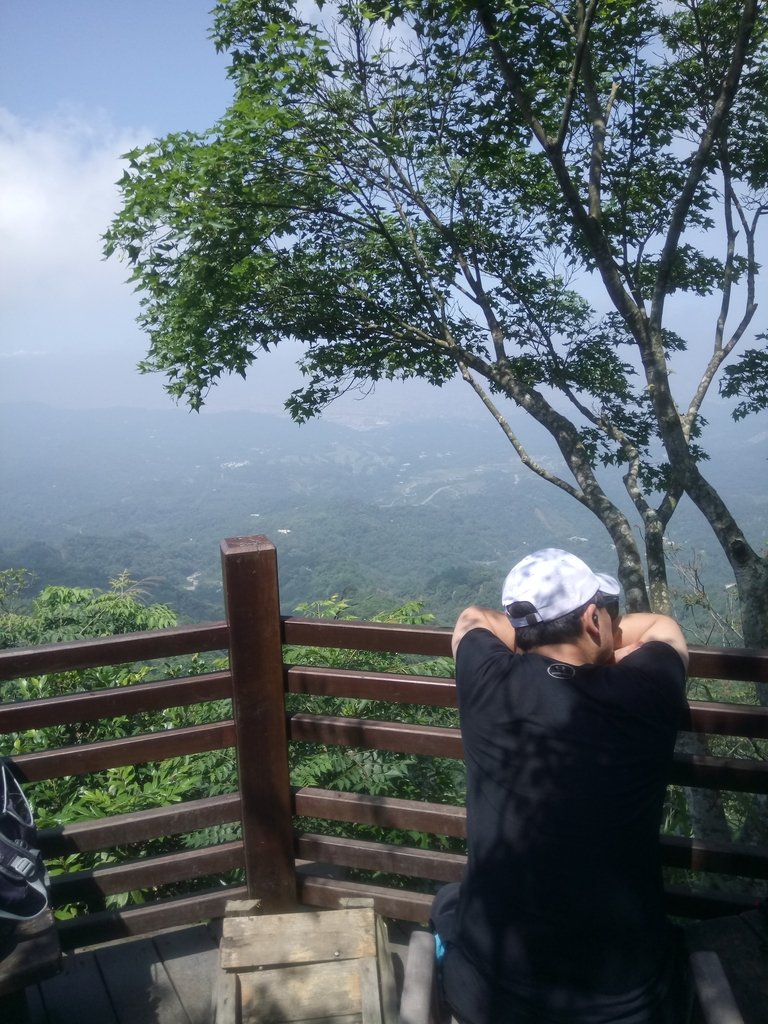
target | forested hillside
[{"x": 419, "y": 510}]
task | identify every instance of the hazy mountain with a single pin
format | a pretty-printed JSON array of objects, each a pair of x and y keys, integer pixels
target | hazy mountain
[{"x": 427, "y": 509}]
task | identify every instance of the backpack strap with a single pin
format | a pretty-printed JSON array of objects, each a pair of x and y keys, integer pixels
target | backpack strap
[{"x": 23, "y": 877}]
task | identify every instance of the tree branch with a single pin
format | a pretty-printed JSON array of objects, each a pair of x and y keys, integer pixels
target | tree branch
[{"x": 700, "y": 158}]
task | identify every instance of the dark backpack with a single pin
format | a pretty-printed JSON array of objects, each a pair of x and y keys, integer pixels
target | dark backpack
[{"x": 23, "y": 878}]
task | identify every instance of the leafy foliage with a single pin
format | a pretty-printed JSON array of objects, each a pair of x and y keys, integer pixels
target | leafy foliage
[
  {"x": 74, "y": 613},
  {"x": 748, "y": 380}
]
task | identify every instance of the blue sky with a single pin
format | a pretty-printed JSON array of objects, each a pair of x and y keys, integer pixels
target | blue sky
[
  {"x": 81, "y": 82},
  {"x": 144, "y": 63}
]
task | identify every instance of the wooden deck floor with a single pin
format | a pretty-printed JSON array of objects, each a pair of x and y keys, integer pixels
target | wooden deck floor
[
  {"x": 170, "y": 977},
  {"x": 164, "y": 979},
  {"x": 167, "y": 978}
]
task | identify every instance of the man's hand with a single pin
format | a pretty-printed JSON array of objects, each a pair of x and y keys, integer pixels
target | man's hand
[{"x": 483, "y": 618}]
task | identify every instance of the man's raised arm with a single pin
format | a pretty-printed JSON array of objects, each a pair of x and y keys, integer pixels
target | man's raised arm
[
  {"x": 475, "y": 617},
  {"x": 640, "y": 628}
]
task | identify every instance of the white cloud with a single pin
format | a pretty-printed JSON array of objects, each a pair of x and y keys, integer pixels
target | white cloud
[{"x": 57, "y": 196}]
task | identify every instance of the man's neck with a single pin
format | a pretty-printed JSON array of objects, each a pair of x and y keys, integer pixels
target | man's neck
[{"x": 579, "y": 653}]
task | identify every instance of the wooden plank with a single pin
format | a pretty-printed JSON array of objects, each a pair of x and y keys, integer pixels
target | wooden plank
[
  {"x": 368, "y": 734},
  {"x": 107, "y": 925},
  {"x": 434, "y": 641},
  {"x": 370, "y": 1003},
  {"x": 730, "y": 774},
  {"x": 740, "y": 942},
  {"x": 729, "y": 719},
  {"x": 243, "y": 908},
  {"x": 139, "y": 826},
  {"x": 78, "y": 995},
  {"x": 714, "y": 855},
  {"x": 139, "y": 986},
  {"x": 389, "y": 858},
  {"x": 749, "y": 665},
  {"x": 418, "y": 1000},
  {"x": 386, "y": 985},
  {"x": 35, "y": 1007},
  {"x": 300, "y": 992},
  {"x": 227, "y": 996},
  {"x": 191, "y": 959},
  {"x": 297, "y": 938},
  {"x": 338, "y": 682},
  {"x": 399, "y": 903},
  {"x": 384, "y": 811},
  {"x": 146, "y": 873},
  {"x": 156, "y": 746},
  {"x": 114, "y": 650},
  {"x": 92, "y": 705},
  {"x": 713, "y": 992}
]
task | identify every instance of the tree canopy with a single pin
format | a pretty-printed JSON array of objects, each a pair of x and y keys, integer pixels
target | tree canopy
[{"x": 508, "y": 193}]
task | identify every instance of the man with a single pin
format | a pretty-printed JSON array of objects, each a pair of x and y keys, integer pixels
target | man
[{"x": 569, "y": 716}]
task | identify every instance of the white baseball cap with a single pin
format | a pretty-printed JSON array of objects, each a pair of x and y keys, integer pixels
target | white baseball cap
[{"x": 554, "y": 582}]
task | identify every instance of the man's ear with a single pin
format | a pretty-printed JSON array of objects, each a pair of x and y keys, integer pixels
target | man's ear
[{"x": 591, "y": 621}]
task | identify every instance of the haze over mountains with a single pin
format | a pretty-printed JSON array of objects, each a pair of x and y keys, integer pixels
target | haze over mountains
[{"x": 415, "y": 506}]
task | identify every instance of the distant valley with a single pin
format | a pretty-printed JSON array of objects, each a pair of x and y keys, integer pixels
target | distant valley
[{"x": 425, "y": 510}]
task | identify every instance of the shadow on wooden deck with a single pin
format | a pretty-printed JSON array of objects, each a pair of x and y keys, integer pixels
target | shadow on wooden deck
[{"x": 166, "y": 978}]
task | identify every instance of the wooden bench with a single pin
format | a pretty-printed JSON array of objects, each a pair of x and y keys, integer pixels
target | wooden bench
[{"x": 739, "y": 943}]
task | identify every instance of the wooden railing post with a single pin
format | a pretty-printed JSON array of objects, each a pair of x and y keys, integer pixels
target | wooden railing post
[{"x": 252, "y": 602}]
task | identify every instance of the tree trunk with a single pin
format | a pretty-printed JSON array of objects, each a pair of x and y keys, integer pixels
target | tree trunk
[
  {"x": 658, "y": 585},
  {"x": 705, "y": 806}
]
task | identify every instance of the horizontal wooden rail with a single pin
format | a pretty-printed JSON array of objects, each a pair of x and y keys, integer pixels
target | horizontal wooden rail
[
  {"x": 733, "y": 774},
  {"x": 381, "y": 857},
  {"x": 380, "y": 686},
  {"x": 711, "y": 855},
  {"x": 721, "y": 719},
  {"x": 119, "y": 700},
  {"x": 415, "y": 906},
  {"x": 383, "y": 811},
  {"x": 114, "y": 650},
  {"x": 748, "y": 720},
  {"x": 107, "y": 925},
  {"x": 367, "y": 636},
  {"x": 728, "y": 774},
  {"x": 140, "y": 826},
  {"x": 399, "y": 903},
  {"x": 156, "y": 746},
  {"x": 676, "y": 851},
  {"x": 402, "y": 737},
  {"x": 724, "y": 664},
  {"x": 684, "y": 902},
  {"x": 92, "y": 886},
  {"x": 735, "y": 663},
  {"x": 448, "y": 867}
]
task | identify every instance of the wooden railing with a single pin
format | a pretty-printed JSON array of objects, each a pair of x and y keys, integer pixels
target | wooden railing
[{"x": 281, "y": 865}]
